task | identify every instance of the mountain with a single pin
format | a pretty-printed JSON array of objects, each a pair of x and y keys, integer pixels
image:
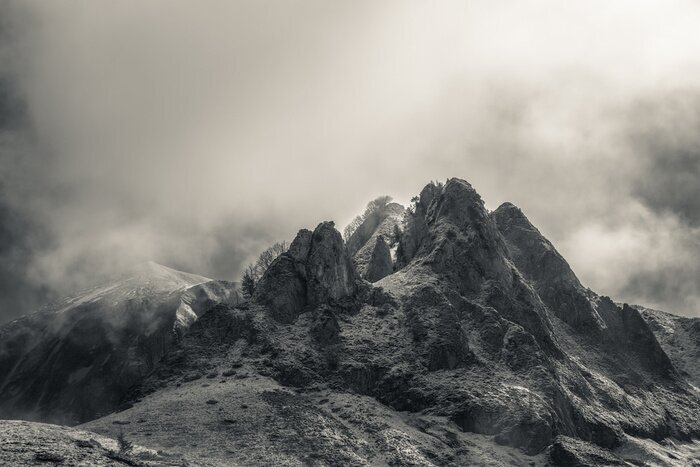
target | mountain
[
  {"x": 481, "y": 347},
  {"x": 73, "y": 360}
]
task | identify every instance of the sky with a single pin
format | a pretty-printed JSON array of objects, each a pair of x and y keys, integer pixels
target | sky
[{"x": 197, "y": 133}]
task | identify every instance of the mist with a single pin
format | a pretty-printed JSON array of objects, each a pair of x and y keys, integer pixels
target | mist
[{"x": 195, "y": 134}]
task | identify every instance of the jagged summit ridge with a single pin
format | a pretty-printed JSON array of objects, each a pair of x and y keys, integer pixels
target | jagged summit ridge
[{"x": 478, "y": 332}]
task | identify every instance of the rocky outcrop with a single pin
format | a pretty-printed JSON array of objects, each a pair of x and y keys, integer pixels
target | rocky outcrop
[
  {"x": 330, "y": 273},
  {"x": 416, "y": 231},
  {"x": 283, "y": 287},
  {"x": 316, "y": 270},
  {"x": 384, "y": 223},
  {"x": 380, "y": 264}
]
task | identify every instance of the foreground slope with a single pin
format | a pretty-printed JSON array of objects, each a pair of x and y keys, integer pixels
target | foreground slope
[
  {"x": 483, "y": 338},
  {"x": 75, "y": 359},
  {"x": 28, "y": 443}
]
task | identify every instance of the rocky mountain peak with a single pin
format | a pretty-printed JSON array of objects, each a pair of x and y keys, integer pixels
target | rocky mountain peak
[
  {"x": 457, "y": 202},
  {"x": 542, "y": 265},
  {"x": 451, "y": 231},
  {"x": 534, "y": 254},
  {"x": 510, "y": 213}
]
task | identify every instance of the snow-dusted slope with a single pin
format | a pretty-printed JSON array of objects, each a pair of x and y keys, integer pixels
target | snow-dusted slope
[
  {"x": 75, "y": 358},
  {"x": 145, "y": 279}
]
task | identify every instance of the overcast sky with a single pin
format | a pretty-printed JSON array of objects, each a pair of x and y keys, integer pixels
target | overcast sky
[{"x": 196, "y": 133}]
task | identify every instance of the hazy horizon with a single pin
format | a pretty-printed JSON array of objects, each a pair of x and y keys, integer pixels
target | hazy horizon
[{"x": 195, "y": 134}]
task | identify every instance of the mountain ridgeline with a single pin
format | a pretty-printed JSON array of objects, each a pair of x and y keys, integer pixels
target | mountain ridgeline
[
  {"x": 73, "y": 360},
  {"x": 439, "y": 334}
]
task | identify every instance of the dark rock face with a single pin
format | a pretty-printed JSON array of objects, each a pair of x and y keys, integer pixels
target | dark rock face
[
  {"x": 316, "y": 270},
  {"x": 380, "y": 264},
  {"x": 538, "y": 260},
  {"x": 283, "y": 288},
  {"x": 620, "y": 331},
  {"x": 641, "y": 340},
  {"x": 76, "y": 361},
  {"x": 330, "y": 273},
  {"x": 416, "y": 229}
]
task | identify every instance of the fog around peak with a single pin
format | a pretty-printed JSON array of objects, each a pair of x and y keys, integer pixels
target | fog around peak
[{"x": 195, "y": 134}]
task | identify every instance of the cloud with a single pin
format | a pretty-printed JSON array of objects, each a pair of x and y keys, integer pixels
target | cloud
[
  {"x": 665, "y": 138},
  {"x": 196, "y": 133}
]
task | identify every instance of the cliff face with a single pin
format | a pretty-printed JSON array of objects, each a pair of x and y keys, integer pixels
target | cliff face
[
  {"x": 481, "y": 326},
  {"x": 380, "y": 264}
]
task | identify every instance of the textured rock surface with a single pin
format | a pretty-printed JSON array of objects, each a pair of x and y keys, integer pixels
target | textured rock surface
[
  {"x": 362, "y": 243},
  {"x": 481, "y": 348},
  {"x": 380, "y": 264},
  {"x": 538, "y": 260},
  {"x": 572, "y": 452},
  {"x": 75, "y": 360},
  {"x": 316, "y": 270},
  {"x": 28, "y": 443},
  {"x": 680, "y": 339}
]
